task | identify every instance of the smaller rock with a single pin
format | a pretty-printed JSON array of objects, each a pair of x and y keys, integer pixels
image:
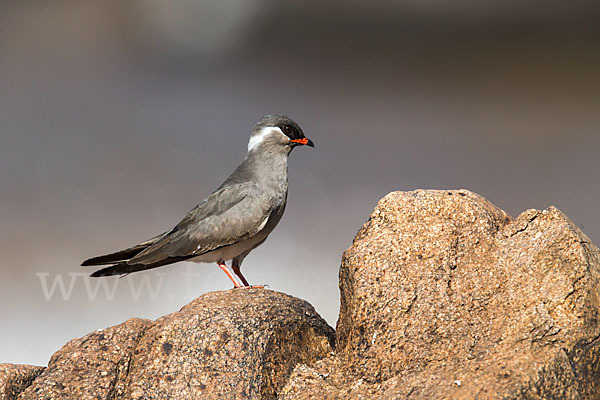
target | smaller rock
[
  {"x": 15, "y": 378},
  {"x": 237, "y": 344},
  {"x": 80, "y": 369}
]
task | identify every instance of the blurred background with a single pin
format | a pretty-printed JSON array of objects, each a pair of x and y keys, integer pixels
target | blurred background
[{"x": 118, "y": 117}]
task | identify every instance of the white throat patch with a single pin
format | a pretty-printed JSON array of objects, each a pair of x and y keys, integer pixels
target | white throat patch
[{"x": 255, "y": 140}]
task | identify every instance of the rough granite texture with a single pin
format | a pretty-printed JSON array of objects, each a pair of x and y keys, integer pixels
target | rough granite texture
[
  {"x": 91, "y": 367},
  {"x": 445, "y": 296},
  {"x": 15, "y": 378},
  {"x": 237, "y": 344}
]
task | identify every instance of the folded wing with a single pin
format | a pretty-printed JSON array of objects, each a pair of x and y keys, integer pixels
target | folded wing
[{"x": 231, "y": 214}]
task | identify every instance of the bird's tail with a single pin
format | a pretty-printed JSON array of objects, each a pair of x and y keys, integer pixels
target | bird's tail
[
  {"x": 120, "y": 260},
  {"x": 123, "y": 268},
  {"x": 119, "y": 269},
  {"x": 122, "y": 255}
]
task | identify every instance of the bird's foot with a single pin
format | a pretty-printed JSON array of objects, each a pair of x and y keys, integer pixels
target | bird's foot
[{"x": 251, "y": 287}]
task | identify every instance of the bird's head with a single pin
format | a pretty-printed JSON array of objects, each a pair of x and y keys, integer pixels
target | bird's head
[{"x": 277, "y": 132}]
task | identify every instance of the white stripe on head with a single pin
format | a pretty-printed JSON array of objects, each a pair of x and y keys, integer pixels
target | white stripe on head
[{"x": 260, "y": 136}]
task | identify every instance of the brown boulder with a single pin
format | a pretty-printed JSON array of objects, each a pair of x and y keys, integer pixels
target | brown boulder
[
  {"x": 15, "y": 378},
  {"x": 237, "y": 344},
  {"x": 91, "y": 367},
  {"x": 443, "y": 295}
]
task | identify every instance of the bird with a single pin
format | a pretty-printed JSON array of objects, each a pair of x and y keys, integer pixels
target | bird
[{"x": 231, "y": 222}]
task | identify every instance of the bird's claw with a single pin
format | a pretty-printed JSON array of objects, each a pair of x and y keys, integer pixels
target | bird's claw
[{"x": 251, "y": 287}]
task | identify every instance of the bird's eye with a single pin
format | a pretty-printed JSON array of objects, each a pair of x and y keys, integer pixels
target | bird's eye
[{"x": 287, "y": 129}]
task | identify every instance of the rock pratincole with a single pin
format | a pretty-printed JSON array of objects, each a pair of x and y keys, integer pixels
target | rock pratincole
[{"x": 231, "y": 222}]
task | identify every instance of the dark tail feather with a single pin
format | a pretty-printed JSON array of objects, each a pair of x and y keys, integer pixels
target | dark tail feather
[
  {"x": 124, "y": 268},
  {"x": 122, "y": 255},
  {"x": 118, "y": 269}
]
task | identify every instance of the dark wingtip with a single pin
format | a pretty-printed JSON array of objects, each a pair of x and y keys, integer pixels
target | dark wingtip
[
  {"x": 100, "y": 260},
  {"x": 115, "y": 257},
  {"x": 108, "y": 271}
]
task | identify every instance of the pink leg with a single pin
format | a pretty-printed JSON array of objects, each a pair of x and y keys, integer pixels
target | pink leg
[
  {"x": 236, "y": 270},
  {"x": 223, "y": 266}
]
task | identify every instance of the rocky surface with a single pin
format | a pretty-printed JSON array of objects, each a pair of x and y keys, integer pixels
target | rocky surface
[
  {"x": 237, "y": 344},
  {"x": 15, "y": 378},
  {"x": 91, "y": 367},
  {"x": 443, "y": 295}
]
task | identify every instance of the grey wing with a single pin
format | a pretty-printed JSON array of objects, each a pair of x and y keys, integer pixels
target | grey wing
[{"x": 229, "y": 215}]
